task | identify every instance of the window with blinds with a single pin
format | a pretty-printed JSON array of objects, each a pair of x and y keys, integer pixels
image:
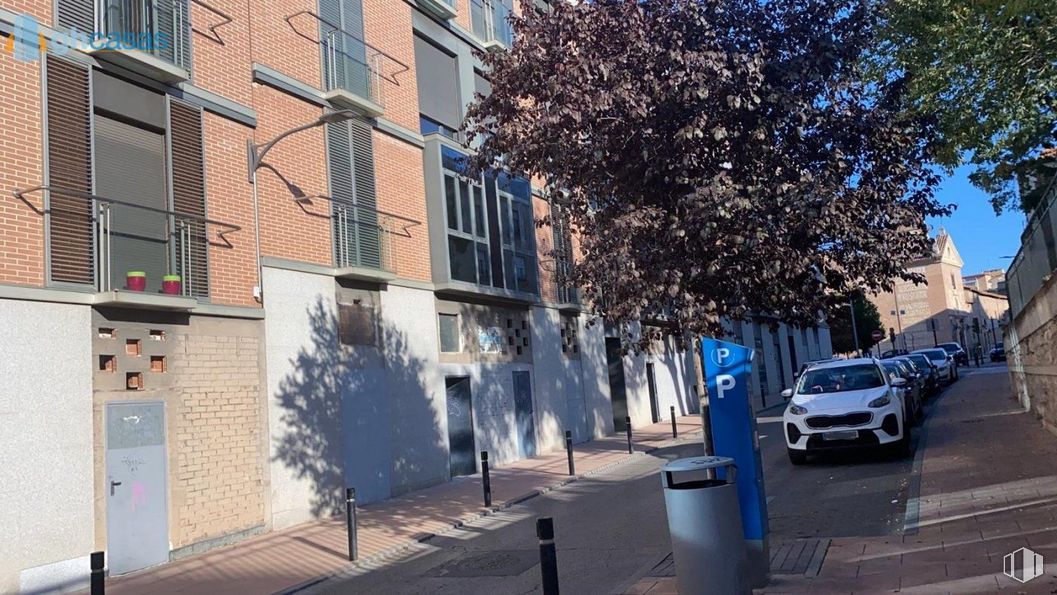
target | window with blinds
[
  {"x": 438, "y": 86},
  {"x": 350, "y": 156}
]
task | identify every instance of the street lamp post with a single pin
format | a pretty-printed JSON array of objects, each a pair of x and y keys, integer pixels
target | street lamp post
[{"x": 255, "y": 158}]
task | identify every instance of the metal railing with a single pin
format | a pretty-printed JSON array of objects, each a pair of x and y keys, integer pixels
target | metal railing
[
  {"x": 97, "y": 240},
  {"x": 349, "y": 63},
  {"x": 490, "y": 21},
  {"x": 161, "y": 28},
  {"x": 1037, "y": 258},
  {"x": 363, "y": 236}
]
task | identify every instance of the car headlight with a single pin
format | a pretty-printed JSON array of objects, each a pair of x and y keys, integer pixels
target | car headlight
[
  {"x": 880, "y": 402},
  {"x": 797, "y": 410}
]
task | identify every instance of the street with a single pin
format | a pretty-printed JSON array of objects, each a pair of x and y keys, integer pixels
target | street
[{"x": 611, "y": 528}]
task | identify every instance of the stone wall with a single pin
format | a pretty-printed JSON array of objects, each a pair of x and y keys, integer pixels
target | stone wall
[{"x": 1031, "y": 348}]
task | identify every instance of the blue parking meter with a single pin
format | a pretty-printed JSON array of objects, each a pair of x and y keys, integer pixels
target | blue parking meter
[{"x": 728, "y": 370}]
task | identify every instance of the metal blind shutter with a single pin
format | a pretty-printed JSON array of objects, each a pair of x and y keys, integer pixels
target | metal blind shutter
[
  {"x": 76, "y": 14},
  {"x": 350, "y": 68},
  {"x": 438, "y": 90},
  {"x": 189, "y": 198},
  {"x": 69, "y": 166},
  {"x": 174, "y": 18},
  {"x": 351, "y": 167}
]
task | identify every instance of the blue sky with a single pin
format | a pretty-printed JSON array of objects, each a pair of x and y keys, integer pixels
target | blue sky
[{"x": 981, "y": 237}]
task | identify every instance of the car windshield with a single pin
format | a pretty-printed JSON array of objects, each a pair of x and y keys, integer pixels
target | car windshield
[
  {"x": 920, "y": 360},
  {"x": 948, "y": 347},
  {"x": 844, "y": 378},
  {"x": 936, "y": 355},
  {"x": 893, "y": 370}
]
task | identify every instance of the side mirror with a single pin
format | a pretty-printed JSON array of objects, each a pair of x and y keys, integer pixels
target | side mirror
[
  {"x": 787, "y": 393},
  {"x": 897, "y": 381}
]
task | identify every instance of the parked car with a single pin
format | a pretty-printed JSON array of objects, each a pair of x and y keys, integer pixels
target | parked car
[
  {"x": 945, "y": 366},
  {"x": 893, "y": 353},
  {"x": 998, "y": 353},
  {"x": 844, "y": 404},
  {"x": 911, "y": 392},
  {"x": 930, "y": 371},
  {"x": 811, "y": 363},
  {"x": 955, "y": 351}
]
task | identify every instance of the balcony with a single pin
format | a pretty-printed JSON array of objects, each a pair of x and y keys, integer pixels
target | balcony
[
  {"x": 150, "y": 37},
  {"x": 442, "y": 9},
  {"x": 94, "y": 242},
  {"x": 355, "y": 73},
  {"x": 490, "y": 22}
]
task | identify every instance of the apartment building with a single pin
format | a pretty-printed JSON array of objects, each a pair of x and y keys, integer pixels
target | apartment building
[{"x": 242, "y": 266}]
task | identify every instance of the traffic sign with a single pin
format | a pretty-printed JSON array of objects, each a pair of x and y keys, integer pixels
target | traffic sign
[{"x": 877, "y": 335}]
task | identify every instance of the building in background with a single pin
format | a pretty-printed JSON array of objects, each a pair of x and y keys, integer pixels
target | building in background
[
  {"x": 988, "y": 316},
  {"x": 351, "y": 310},
  {"x": 993, "y": 281}
]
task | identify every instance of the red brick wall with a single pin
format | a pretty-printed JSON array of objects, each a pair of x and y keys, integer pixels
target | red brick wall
[
  {"x": 541, "y": 210},
  {"x": 290, "y": 230},
  {"x": 387, "y": 26},
  {"x": 221, "y": 60},
  {"x": 21, "y": 166},
  {"x": 229, "y": 198},
  {"x": 276, "y": 43},
  {"x": 39, "y": 9},
  {"x": 401, "y": 191}
]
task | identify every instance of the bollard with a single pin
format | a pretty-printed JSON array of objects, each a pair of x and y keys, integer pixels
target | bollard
[
  {"x": 569, "y": 451},
  {"x": 675, "y": 432},
  {"x": 548, "y": 555},
  {"x": 350, "y": 522},
  {"x": 486, "y": 481},
  {"x": 627, "y": 421},
  {"x": 97, "y": 582}
]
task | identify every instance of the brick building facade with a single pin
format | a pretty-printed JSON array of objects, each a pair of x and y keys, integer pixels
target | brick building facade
[{"x": 357, "y": 313}]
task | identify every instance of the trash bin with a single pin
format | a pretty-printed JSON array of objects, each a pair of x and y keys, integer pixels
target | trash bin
[{"x": 705, "y": 524}]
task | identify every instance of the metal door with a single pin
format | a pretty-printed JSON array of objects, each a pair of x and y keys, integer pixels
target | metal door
[
  {"x": 651, "y": 384},
  {"x": 617, "y": 387},
  {"x": 526, "y": 426},
  {"x": 460, "y": 426},
  {"x": 137, "y": 512}
]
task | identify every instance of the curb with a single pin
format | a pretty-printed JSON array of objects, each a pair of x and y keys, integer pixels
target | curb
[
  {"x": 912, "y": 514},
  {"x": 367, "y": 561}
]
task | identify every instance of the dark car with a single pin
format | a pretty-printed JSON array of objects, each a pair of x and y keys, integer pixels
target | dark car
[
  {"x": 998, "y": 353},
  {"x": 893, "y": 353},
  {"x": 928, "y": 369},
  {"x": 911, "y": 392},
  {"x": 956, "y": 352}
]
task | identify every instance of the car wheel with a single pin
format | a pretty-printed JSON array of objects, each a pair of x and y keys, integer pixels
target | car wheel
[
  {"x": 902, "y": 447},
  {"x": 797, "y": 457}
]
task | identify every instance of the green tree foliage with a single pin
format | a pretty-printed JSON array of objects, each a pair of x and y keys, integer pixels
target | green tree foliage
[
  {"x": 719, "y": 157},
  {"x": 987, "y": 70},
  {"x": 867, "y": 319}
]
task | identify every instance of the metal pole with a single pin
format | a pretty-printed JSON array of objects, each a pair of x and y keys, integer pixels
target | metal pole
[
  {"x": 854, "y": 328},
  {"x": 675, "y": 431},
  {"x": 256, "y": 222},
  {"x": 97, "y": 582},
  {"x": 569, "y": 451},
  {"x": 350, "y": 522},
  {"x": 486, "y": 481},
  {"x": 548, "y": 555},
  {"x": 627, "y": 422}
]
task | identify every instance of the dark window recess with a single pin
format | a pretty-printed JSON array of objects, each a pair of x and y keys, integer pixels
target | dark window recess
[
  {"x": 69, "y": 166},
  {"x": 356, "y": 324},
  {"x": 191, "y": 241},
  {"x": 107, "y": 363}
]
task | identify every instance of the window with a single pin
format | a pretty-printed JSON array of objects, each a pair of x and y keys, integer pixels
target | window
[
  {"x": 845, "y": 378},
  {"x": 436, "y": 72},
  {"x": 450, "y": 339},
  {"x": 563, "y": 256}
]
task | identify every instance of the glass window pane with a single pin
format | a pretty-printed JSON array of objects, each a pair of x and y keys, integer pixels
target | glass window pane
[
  {"x": 483, "y": 264},
  {"x": 461, "y": 259},
  {"x": 478, "y": 212},
  {"x": 464, "y": 205},
  {"x": 452, "y": 160},
  {"x": 504, "y": 216},
  {"x": 449, "y": 333},
  {"x": 450, "y": 199},
  {"x": 508, "y": 269},
  {"x": 518, "y": 223}
]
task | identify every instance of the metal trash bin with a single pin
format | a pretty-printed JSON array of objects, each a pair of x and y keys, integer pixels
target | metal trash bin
[{"x": 704, "y": 520}]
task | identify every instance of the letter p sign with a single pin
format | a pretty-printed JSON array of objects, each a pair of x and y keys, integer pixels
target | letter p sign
[{"x": 724, "y": 382}]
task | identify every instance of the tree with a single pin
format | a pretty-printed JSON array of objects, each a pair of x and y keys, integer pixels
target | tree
[
  {"x": 987, "y": 70},
  {"x": 719, "y": 158},
  {"x": 867, "y": 319}
]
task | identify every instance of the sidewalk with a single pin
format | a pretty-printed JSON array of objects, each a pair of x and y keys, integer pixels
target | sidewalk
[
  {"x": 285, "y": 559},
  {"x": 984, "y": 485}
]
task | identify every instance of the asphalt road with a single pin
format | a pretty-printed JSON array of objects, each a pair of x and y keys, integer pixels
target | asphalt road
[{"x": 610, "y": 528}]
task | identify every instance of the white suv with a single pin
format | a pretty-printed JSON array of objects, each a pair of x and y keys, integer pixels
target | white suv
[{"x": 844, "y": 404}]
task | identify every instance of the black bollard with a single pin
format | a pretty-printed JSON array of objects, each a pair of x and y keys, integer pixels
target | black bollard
[
  {"x": 97, "y": 580},
  {"x": 675, "y": 431},
  {"x": 627, "y": 421},
  {"x": 548, "y": 555},
  {"x": 350, "y": 522},
  {"x": 486, "y": 481},
  {"x": 569, "y": 451}
]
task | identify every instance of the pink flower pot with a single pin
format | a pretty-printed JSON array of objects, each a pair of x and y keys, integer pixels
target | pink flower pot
[
  {"x": 136, "y": 281},
  {"x": 171, "y": 285}
]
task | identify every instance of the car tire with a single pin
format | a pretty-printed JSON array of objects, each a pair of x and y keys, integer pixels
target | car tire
[
  {"x": 797, "y": 457},
  {"x": 901, "y": 449}
]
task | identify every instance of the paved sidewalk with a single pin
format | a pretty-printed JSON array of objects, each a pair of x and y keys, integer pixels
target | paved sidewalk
[
  {"x": 987, "y": 486},
  {"x": 283, "y": 560}
]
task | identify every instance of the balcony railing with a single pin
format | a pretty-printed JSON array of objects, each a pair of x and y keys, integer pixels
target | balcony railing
[
  {"x": 490, "y": 21},
  {"x": 96, "y": 241},
  {"x": 355, "y": 73},
  {"x": 159, "y": 28}
]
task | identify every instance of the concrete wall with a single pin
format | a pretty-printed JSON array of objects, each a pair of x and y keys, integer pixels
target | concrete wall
[
  {"x": 595, "y": 373},
  {"x": 45, "y": 446},
  {"x": 1031, "y": 347}
]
